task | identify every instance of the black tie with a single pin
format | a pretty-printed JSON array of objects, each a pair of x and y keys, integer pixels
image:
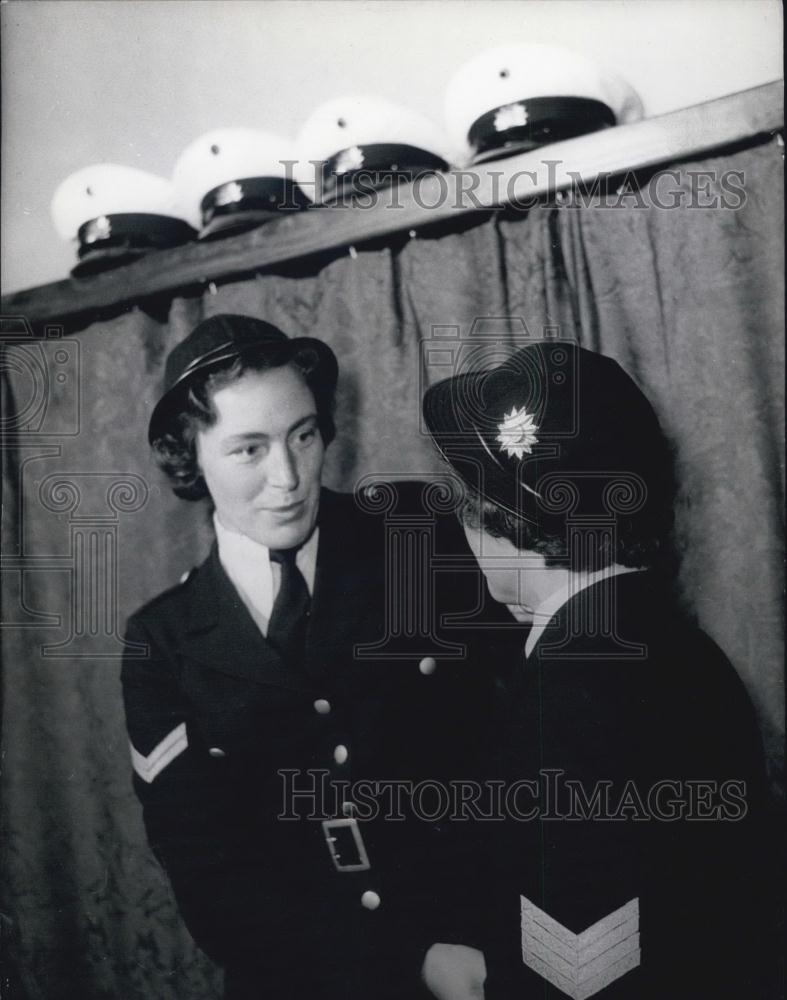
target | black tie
[{"x": 290, "y": 614}]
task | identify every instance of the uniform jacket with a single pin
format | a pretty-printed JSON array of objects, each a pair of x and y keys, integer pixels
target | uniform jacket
[
  {"x": 215, "y": 716},
  {"x": 635, "y": 901}
]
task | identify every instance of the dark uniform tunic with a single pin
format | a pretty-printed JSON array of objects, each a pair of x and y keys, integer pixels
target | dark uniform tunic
[
  {"x": 626, "y": 897},
  {"x": 215, "y": 715}
]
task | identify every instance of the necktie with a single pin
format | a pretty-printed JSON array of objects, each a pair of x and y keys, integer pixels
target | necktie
[{"x": 290, "y": 614}]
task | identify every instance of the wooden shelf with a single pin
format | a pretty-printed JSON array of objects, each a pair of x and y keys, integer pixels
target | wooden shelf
[{"x": 675, "y": 136}]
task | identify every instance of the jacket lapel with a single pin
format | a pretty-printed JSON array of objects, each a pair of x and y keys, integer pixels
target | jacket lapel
[
  {"x": 346, "y": 584},
  {"x": 221, "y": 634}
]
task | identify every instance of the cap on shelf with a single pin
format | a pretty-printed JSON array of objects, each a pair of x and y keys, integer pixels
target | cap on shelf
[
  {"x": 515, "y": 98},
  {"x": 234, "y": 179},
  {"x": 361, "y": 144},
  {"x": 117, "y": 214}
]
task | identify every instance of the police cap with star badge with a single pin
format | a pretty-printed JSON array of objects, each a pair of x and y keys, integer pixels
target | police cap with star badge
[
  {"x": 360, "y": 143},
  {"x": 515, "y": 98},
  {"x": 234, "y": 179},
  {"x": 551, "y": 431},
  {"x": 117, "y": 214}
]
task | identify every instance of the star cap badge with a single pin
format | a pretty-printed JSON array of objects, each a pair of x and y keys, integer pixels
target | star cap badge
[
  {"x": 99, "y": 229},
  {"x": 229, "y": 194},
  {"x": 510, "y": 116},
  {"x": 349, "y": 159},
  {"x": 517, "y": 433}
]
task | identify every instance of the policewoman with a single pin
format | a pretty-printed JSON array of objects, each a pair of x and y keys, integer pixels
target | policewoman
[
  {"x": 243, "y": 685},
  {"x": 626, "y": 866}
]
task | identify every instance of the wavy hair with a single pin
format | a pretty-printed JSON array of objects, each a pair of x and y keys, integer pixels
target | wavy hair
[{"x": 175, "y": 448}]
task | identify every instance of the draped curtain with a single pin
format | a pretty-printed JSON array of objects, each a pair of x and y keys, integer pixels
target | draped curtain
[{"x": 688, "y": 299}]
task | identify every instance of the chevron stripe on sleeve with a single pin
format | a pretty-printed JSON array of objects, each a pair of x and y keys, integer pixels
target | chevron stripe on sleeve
[
  {"x": 150, "y": 766},
  {"x": 581, "y": 965}
]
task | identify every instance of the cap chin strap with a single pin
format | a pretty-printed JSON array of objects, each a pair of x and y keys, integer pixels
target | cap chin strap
[
  {"x": 133, "y": 231},
  {"x": 498, "y": 463},
  {"x": 373, "y": 165},
  {"x": 538, "y": 121},
  {"x": 256, "y": 194},
  {"x": 530, "y": 490}
]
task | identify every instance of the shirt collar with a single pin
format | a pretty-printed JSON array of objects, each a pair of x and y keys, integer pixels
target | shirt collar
[
  {"x": 576, "y": 583},
  {"x": 248, "y": 565}
]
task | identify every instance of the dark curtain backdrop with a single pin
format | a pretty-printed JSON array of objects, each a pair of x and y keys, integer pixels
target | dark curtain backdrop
[{"x": 689, "y": 300}]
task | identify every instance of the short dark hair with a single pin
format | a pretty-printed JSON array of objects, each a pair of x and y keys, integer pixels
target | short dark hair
[
  {"x": 175, "y": 448},
  {"x": 642, "y": 539}
]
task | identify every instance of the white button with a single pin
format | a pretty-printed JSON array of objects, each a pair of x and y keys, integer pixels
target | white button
[
  {"x": 428, "y": 665},
  {"x": 322, "y": 706},
  {"x": 340, "y": 754},
  {"x": 370, "y": 900},
  {"x": 186, "y": 575},
  {"x": 216, "y": 752}
]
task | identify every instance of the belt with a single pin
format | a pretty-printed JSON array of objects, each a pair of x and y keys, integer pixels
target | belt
[{"x": 348, "y": 851}]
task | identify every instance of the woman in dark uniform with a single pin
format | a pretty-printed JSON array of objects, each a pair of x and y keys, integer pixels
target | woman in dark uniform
[
  {"x": 250, "y": 710},
  {"x": 627, "y": 865}
]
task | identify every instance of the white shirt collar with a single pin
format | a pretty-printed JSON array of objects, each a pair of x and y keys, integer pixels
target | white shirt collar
[
  {"x": 576, "y": 582},
  {"x": 248, "y": 565}
]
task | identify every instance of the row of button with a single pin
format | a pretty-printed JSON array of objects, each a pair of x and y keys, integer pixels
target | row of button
[
  {"x": 340, "y": 753},
  {"x": 322, "y": 706},
  {"x": 370, "y": 900},
  {"x": 427, "y": 666}
]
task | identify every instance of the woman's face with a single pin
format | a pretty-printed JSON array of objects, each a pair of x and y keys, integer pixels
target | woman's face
[{"x": 262, "y": 458}]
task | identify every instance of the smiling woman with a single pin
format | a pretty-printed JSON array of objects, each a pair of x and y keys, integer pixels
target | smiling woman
[
  {"x": 217, "y": 355},
  {"x": 247, "y": 672},
  {"x": 262, "y": 458}
]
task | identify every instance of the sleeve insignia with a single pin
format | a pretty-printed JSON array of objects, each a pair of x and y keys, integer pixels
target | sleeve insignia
[
  {"x": 580, "y": 965},
  {"x": 161, "y": 755}
]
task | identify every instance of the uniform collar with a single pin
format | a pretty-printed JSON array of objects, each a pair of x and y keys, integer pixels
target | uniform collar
[
  {"x": 576, "y": 583},
  {"x": 222, "y": 634},
  {"x": 247, "y": 564}
]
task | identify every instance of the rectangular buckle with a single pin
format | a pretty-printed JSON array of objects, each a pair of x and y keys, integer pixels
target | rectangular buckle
[{"x": 344, "y": 839}]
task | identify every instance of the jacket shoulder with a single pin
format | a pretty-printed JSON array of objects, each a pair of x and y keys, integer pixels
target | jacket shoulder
[{"x": 170, "y": 605}]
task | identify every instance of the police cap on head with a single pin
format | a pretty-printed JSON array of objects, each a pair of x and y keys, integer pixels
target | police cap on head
[
  {"x": 235, "y": 179},
  {"x": 549, "y": 432},
  {"x": 515, "y": 98},
  {"x": 223, "y": 338},
  {"x": 117, "y": 213},
  {"x": 364, "y": 143}
]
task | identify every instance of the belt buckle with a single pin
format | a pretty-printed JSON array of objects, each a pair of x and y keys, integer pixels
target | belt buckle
[{"x": 329, "y": 826}]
